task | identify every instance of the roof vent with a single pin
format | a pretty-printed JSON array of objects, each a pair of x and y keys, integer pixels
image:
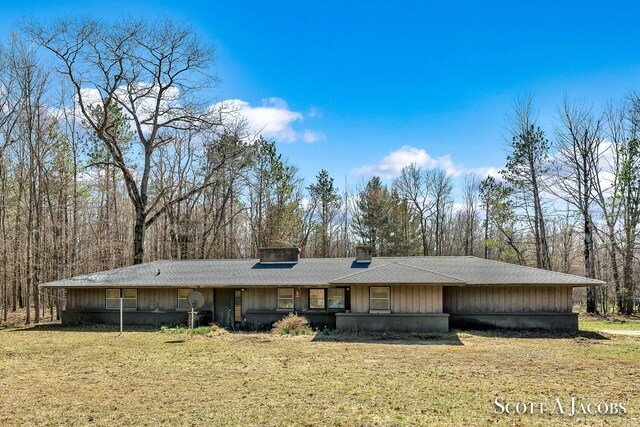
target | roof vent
[
  {"x": 279, "y": 255},
  {"x": 364, "y": 253}
]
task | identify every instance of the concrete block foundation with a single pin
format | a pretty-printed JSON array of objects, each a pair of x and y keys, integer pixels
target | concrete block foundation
[
  {"x": 155, "y": 318},
  {"x": 566, "y": 322},
  {"x": 401, "y": 322}
]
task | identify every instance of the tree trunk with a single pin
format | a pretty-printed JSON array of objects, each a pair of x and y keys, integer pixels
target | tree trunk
[
  {"x": 627, "y": 277},
  {"x": 486, "y": 232},
  {"x": 138, "y": 236},
  {"x": 5, "y": 263},
  {"x": 541, "y": 232},
  {"x": 542, "y": 249},
  {"x": 29, "y": 263},
  {"x": 613, "y": 255},
  {"x": 17, "y": 277},
  {"x": 423, "y": 235},
  {"x": 589, "y": 267}
]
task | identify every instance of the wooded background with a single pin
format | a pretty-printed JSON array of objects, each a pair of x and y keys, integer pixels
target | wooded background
[{"x": 112, "y": 153}]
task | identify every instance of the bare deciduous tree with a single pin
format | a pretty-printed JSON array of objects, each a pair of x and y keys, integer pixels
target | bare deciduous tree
[
  {"x": 155, "y": 72},
  {"x": 579, "y": 137},
  {"x": 411, "y": 186}
]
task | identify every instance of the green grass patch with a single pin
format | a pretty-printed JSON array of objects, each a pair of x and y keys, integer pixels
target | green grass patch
[
  {"x": 200, "y": 330},
  {"x": 593, "y": 323},
  {"x": 300, "y": 331},
  {"x": 628, "y": 350}
]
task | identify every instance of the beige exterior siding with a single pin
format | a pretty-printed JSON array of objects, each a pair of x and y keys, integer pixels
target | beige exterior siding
[
  {"x": 359, "y": 299},
  {"x": 258, "y": 299},
  {"x": 163, "y": 299},
  {"x": 148, "y": 299},
  {"x": 86, "y": 298},
  {"x": 508, "y": 299},
  {"x": 266, "y": 299},
  {"x": 404, "y": 299}
]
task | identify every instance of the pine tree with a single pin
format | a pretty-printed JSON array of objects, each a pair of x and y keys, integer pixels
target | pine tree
[
  {"x": 372, "y": 217},
  {"x": 526, "y": 166},
  {"x": 325, "y": 196}
]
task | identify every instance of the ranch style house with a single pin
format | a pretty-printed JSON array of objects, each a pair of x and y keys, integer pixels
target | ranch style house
[{"x": 362, "y": 294}]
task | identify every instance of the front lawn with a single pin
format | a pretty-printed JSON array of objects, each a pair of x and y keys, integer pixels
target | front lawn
[
  {"x": 55, "y": 375},
  {"x": 613, "y": 323}
]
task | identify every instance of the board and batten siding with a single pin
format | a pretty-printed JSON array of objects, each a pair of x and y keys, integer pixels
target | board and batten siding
[
  {"x": 404, "y": 298},
  {"x": 149, "y": 299},
  {"x": 508, "y": 299},
  {"x": 265, "y": 299},
  {"x": 259, "y": 299},
  {"x": 78, "y": 299}
]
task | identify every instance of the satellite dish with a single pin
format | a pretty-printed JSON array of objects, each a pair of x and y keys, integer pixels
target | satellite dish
[{"x": 196, "y": 299}]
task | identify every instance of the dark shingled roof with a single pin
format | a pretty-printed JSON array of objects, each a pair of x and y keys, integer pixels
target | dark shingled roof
[
  {"x": 448, "y": 271},
  {"x": 396, "y": 272}
]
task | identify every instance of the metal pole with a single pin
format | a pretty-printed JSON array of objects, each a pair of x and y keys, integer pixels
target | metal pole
[
  {"x": 120, "y": 314},
  {"x": 192, "y": 314}
]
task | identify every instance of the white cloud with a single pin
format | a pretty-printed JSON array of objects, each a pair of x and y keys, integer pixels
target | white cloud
[
  {"x": 305, "y": 203},
  {"x": 273, "y": 119},
  {"x": 485, "y": 171},
  {"x": 391, "y": 165},
  {"x": 446, "y": 164},
  {"x": 309, "y": 136},
  {"x": 458, "y": 207}
]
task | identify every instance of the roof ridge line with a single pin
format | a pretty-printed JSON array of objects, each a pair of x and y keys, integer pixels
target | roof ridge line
[
  {"x": 391, "y": 262},
  {"x": 359, "y": 272},
  {"x": 432, "y": 272}
]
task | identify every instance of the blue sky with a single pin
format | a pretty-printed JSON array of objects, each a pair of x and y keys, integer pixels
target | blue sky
[{"x": 360, "y": 81}]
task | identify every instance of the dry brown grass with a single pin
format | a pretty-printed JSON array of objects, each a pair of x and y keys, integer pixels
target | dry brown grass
[{"x": 61, "y": 376}]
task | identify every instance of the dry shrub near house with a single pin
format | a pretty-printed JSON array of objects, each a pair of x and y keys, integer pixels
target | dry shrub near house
[{"x": 292, "y": 324}]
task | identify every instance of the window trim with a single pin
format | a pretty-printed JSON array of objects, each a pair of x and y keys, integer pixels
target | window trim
[
  {"x": 293, "y": 299},
  {"x": 178, "y": 308},
  {"x": 344, "y": 298},
  {"x": 107, "y": 298},
  {"x": 324, "y": 299},
  {"x": 388, "y": 310},
  {"x": 120, "y": 293}
]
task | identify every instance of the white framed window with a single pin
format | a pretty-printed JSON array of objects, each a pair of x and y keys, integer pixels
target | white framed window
[
  {"x": 336, "y": 297},
  {"x": 129, "y": 299},
  {"x": 379, "y": 299},
  {"x": 317, "y": 298},
  {"x": 113, "y": 299},
  {"x": 183, "y": 303},
  {"x": 285, "y": 299}
]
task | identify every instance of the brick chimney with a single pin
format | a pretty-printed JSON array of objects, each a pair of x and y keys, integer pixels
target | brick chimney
[
  {"x": 364, "y": 253},
  {"x": 279, "y": 255}
]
